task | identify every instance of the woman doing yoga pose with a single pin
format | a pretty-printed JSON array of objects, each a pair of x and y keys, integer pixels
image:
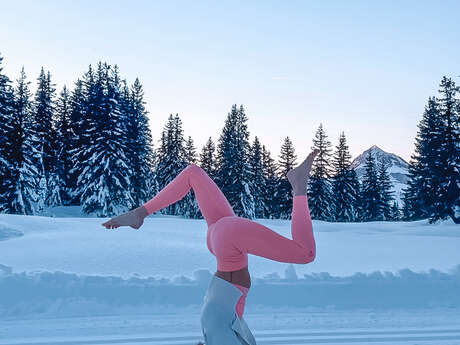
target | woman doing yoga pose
[{"x": 230, "y": 239}]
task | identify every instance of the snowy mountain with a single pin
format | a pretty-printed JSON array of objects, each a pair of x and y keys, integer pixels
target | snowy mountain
[{"x": 397, "y": 167}]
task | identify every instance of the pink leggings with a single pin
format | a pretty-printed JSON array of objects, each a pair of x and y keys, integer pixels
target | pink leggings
[{"x": 231, "y": 238}]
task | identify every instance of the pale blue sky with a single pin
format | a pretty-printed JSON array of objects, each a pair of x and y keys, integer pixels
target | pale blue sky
[{"x": 363, "y": 67}]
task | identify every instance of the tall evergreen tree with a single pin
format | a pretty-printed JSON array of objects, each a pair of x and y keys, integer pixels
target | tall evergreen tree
[
  {"x": 171, "y": 156},
  {"x": 207, "y": 158},
  {"x": 190, "y": 151},
  {"x": 233, "y": 173},
  {"x": 386, "y": 192},
  {"x": 343, "y": 184},
  {"x": 356, "y": 188},
  {"x": 271, "y": 192},
  {"x": 140, "y": 150},
  {"x": 256, "y": 164},
  {"x": 80, "y": 125},
  {"x": 286, "y": 162},
  {"x": 9, "y": 145},
  {"x": 104, "y": 181},
  {"x": 447, "y": 174},
  {"x": 59, "y": 192},
  {"x": 320, "y": 199},
  {"x": 418, "y": 197},
  {"x": 370, "y": 191},
  {"x": 44, "y": 120},
  {"x": 25, "y": 195},
  {"x": 191, "y": 208}
]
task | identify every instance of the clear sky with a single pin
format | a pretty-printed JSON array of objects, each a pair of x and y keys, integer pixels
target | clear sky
[{"x": 363, "y": 67}]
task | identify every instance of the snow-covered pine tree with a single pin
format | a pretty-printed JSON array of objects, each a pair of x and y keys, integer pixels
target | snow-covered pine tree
[
  {"x": 58, "y": 190},
  {"x": 140, "y": 151},
  {"x": 207, "y": 158},
  {"x": 370, "y": 194},
  {"x": 55, "y": 183},
  {"x": 79, "y": 125},
  {"x": 25, "y": 194},
  {"x": 64, "y": 141},
  {"x": 10, "y": 128},
  {"x": 233, "y": 170},
  {"x": 191, "y": 208},
  {"x": 343, "y": 187},
  {"x": 447, "y": 174},
  {"x": 386, "y": 192},
  {"x": 43, "y": 118},
  {"x": 356, "y": 188},
  {"x": 418, "y": 196},
  {"x": 320, "y": 200},
  {"x": 271, "y": 192},
  {"x": 105, "y": 178},
  {"x": 287, "y": 161},
  {"x": 171, "y": 158},
  {"x": 255, "y": 162},
  {"x": 190, "y": 151}
]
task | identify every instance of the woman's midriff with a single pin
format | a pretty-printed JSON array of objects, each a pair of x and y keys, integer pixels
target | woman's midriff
[
  {"x": 239, "y": 277},
  {"x": 242, "y": 281}
]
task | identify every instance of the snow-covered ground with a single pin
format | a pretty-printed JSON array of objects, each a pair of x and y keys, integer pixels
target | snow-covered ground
[{"x": 68, "y": 280}]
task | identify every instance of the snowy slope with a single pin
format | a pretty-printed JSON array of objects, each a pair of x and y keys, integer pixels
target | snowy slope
[
  {"x": 169, "y": 246},
  {"x": 397, "y": 168}
]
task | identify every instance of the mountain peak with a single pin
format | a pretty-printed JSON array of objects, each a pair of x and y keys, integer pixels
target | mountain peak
[{"x": 397, "y": 167}]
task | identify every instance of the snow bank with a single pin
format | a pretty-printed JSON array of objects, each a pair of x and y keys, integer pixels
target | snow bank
[
  {"x": 7, "y": 232},
  {"x": 60, "y": 294}
]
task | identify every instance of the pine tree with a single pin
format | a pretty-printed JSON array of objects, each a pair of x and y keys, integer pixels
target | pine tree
[
  {"x": 233, "y": 170},
  {"x": 79, "y": 126},
  {"x": 10, "y": 128},
  {"x": 104, "y": 181},
  {"x": 418, "y": 197},
  {"x": 356, "y": 190},
  {"x": 207, "y": 158},
  {"x": 370, "y": 191},
  {"x": 59, "y": 191},
  {"x": 25, "y": 195},
  {"x": 320, "y": 199},
  {"x": 256, "y": 164},
  {"x": 140, "y": 150},
  {"x": 44, "y": 121},
  {"x": 271, "y": 194},
  {"x": 190, "y": 151},
  {"x": 343, "y": 185},
  {"x": 386, "y": 192},
  {"x": 171, "y": 156},
  {"x": 447, "y": 174},
  {"x": 191, "y": 208},
  {"x": 286, "y": 162}
]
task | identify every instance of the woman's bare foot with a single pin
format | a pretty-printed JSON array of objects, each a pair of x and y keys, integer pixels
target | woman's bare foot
[
  {"x": 134, "y": 219},
  {"x": 298, "y": 176}
]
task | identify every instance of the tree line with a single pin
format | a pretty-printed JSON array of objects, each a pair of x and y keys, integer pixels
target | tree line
[{"x": 92, "y": 146}]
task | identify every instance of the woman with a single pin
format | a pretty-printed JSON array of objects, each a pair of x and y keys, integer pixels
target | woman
[{"x": 230, "y": 239}]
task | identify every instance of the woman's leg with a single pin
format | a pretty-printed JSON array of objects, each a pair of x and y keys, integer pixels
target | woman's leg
[
  {"x": 240, "y": 236},
  {"x": 212, "y": 202}
]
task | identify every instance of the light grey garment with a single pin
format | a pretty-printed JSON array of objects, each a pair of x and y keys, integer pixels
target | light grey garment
[{"x": 219, "y": 322}]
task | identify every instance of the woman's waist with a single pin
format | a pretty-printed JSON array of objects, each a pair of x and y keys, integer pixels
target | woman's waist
[{"x": 239, "y": 277}]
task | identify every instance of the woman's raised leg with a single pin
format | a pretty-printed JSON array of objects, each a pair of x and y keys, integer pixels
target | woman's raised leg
[
  {"x": 212, "y": 202},
  {"x": 243, "y": 236}
]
